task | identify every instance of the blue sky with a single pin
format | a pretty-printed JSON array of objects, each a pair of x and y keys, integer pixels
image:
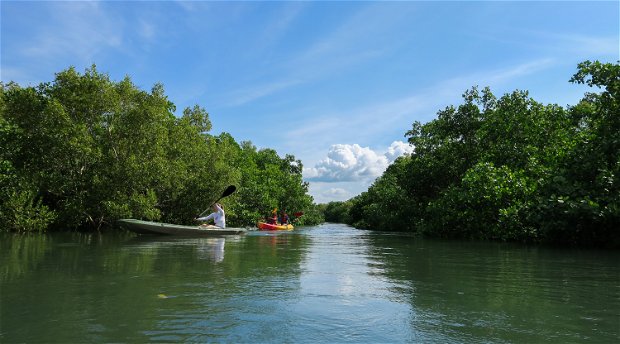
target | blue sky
[{"x": 337, "y": 84}]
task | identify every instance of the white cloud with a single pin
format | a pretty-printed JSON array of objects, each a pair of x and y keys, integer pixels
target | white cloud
[
  {"x": 325, "y": 192},
  {"x": 346, "y": 162},
  {"x": 336, "y": 193},
  {"x": 398, "y": 148}
]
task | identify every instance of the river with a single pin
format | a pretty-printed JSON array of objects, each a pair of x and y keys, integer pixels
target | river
[{"x": 323, "y": 284}]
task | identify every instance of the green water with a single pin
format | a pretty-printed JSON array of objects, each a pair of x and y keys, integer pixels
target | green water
[{"x": 327, "y": 284}]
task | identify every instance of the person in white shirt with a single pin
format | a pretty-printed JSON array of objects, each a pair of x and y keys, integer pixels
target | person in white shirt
[{"x": 218, "y": 216}]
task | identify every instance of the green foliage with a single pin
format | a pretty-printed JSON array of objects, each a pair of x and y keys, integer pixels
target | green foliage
[
  {"x": 21, "y": 211},
  {"x": 488, "y": 204},
  {"x": 83, "y": 151},
  {"x": 270, "y": 182},
  {"x": 384, "y": 205},
  {"x": 20, "y": 208},
  {"x": 312, "y": 216},
  {"x": 338, "y": 212},
  {"x": 509, "y": 169}
]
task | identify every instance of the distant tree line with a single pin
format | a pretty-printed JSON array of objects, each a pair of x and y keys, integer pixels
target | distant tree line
[
  {"x": 83, "y": 151},
  {"x": 508, "y": 169}
]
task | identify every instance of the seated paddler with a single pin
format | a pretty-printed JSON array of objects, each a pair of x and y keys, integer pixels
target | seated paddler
[{"x": 218, "y": 216}]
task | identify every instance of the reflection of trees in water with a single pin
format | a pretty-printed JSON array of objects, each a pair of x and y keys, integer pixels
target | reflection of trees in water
[
  {"x": 20, "y": 254},
  {"x": 79, "y": 288},
  {"x": 501, "y": 292},
  {"x": 281, "y": 251},
  {"x": 78, "y": 253}
]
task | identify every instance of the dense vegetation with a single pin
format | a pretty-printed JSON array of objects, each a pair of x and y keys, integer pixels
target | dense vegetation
[
  {"x": 83, "y": 151},
  {"x": 507, "y": 169}
]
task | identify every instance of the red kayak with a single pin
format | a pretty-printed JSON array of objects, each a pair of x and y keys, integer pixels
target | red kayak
[{"x": 269, "y": 227}]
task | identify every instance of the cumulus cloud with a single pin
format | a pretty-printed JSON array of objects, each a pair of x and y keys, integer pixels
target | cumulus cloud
[
  {"x": 345, "y": 162},
  {"x": 337, "y": 193},
  {"x": 397, "y": 149}
]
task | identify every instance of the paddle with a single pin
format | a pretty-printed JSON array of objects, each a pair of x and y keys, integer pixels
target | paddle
[
  {"x": 297, "y": 216},
  {"x": 229, "y": 190}
]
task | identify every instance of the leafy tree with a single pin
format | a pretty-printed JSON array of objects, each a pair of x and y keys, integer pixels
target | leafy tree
[
  {"x": 509, "y": 169},
  {"x": 270, "y": 182},
  {"x": 338, "y": 212},
  {"x": 582, "y": 203},
  {"x": 384, "y": 206},
  {"x": 83, "y": 151},
  {"x": 20, "y": 207}
]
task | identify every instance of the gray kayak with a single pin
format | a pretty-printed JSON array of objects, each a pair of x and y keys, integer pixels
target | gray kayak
[{"x": 148, "y": 227}]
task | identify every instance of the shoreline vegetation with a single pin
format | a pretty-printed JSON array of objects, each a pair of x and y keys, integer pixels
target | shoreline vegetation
[
  {"x": 507, "y": 169},
  {"x": 82, "y": 151}
]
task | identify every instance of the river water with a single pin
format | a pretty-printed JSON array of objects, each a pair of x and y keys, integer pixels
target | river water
[{"x": 324, "y": 284}]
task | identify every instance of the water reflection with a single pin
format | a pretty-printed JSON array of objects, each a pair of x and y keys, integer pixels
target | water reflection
[
  {"x": 86, "y": 288},
  {"x": 20, "y": 254},
  {"x": 327, "y": 283},
  {"x": 211, "y": 249},
  {"x": 503, "y": 292}
]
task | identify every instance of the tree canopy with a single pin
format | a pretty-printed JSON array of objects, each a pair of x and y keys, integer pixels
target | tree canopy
[
  {"x": 509, "y": 169},
  {"x": 83, "y": 151}
]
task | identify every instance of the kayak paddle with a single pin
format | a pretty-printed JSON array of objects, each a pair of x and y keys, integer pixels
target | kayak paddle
[{"x": 229, "y": 190}]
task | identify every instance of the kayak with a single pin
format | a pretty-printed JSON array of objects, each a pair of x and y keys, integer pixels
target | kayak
[
  {"x": 269, "y": 227},
  {"x": 148, "y": 227}
]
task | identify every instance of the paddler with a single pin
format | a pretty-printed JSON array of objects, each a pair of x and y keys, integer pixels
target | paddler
[
  {"x": 284, "y": 218},
  {"x": 273, "y": 220},
  {"x": 218, "y": 216}
]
